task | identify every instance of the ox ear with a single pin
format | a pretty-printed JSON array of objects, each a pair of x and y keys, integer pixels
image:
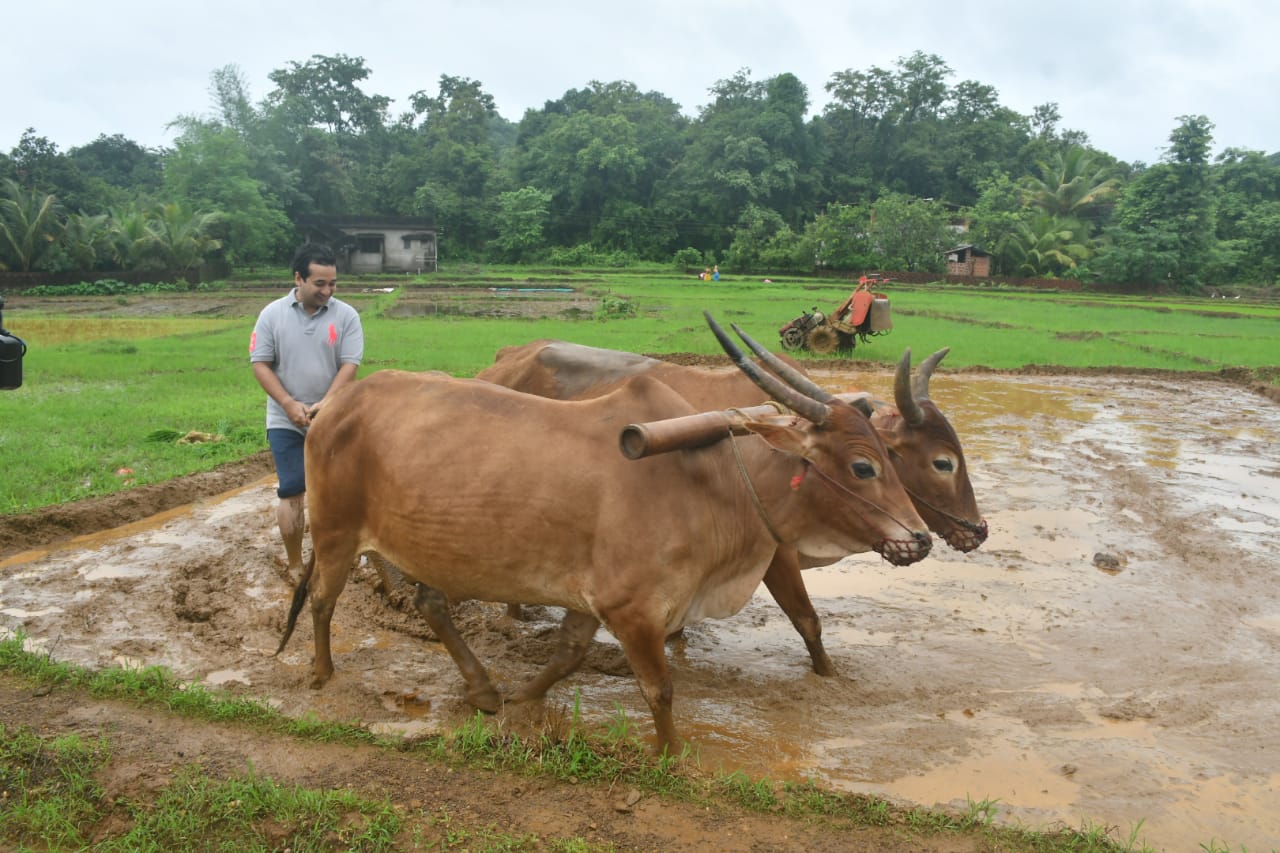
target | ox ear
[
  {"x": 788, "y": 439},
  {"x": 862, "y": 401}
]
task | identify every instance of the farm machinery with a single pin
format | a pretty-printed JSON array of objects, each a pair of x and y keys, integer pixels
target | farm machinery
[{"x": 863, "y": 315}]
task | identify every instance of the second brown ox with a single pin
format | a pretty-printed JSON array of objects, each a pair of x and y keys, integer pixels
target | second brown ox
[
  {"x": 923, "y": 446},
  {"x": 477, "y": 491}
]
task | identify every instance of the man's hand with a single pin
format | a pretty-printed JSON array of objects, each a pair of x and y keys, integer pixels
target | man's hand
[{"x": 299, "y": 413}]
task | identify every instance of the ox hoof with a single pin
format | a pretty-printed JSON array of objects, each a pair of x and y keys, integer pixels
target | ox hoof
[
  {"x": 485, "y": 699},
  {"x": 320, "y": 675}
]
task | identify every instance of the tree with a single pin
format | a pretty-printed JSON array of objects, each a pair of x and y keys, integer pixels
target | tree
[
  {"x": 995, "y": 220},
  {"x": 1072, "y": 183},
  {"x": 331, "y": 135},
  {"x": 1167, "y": 211},
  {"x": 30, "y": 224},
  {"x": 1248, "y": 207},
  {"x": 183, "y": 237},
  {"x": 130, "y": 238},
  {"x": 447, "y": 168},
  {"x": 39, "y": 166},
  {"x": 749, "y": 147},
  {"x": 1046, "y": 245},
  {"x": 522, "y": 215},
  {"x": 838, "y": 238},
  {"x": 908, "y": 233},
  {"x": 324, "y": 92},
  {"x": 86, "y": 241},
  {"x": 905, "y": 130},
  {"x": 600, "y": 152},
  {"x": 120, "y": 164},
  {"x": 210, "y": 170},
  {"x": 761, "y": 240}
]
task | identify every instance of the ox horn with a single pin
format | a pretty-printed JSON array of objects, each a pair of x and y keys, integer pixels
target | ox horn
[
  {"x": 813, "y": 410},
  {"x": 907, "y": 405},
  {"x": 920, "y": 384},
  {"x": 796, "y": 379}
]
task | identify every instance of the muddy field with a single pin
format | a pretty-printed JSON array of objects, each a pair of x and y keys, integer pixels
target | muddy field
[{"x": 1111, "y": 654}]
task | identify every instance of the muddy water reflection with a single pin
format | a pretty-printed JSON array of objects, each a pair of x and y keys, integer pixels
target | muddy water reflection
[{"x": 1020, "y": 673}]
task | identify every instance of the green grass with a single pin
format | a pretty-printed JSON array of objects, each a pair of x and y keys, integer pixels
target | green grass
[
  {"x": 50, "y": 797},
  {"x": 96, "y": 391}
]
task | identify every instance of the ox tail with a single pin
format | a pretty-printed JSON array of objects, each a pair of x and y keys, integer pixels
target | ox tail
[{"x": 299, "y": 599}]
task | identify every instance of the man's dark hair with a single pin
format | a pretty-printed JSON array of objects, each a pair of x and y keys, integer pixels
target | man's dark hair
[{"x": 312, "y": 253}]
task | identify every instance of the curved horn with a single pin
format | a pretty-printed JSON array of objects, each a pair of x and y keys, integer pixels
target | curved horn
[
  {"x": 907, "y": 405},
  {"x": 806, "y": 407},
  {"x": 798, "y": 380},
  {"x": 920, "y": 384},
  {"x": 789, "y": 374}
]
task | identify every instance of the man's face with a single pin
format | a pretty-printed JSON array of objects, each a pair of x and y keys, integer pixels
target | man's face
[{"x": 314, "y": 290}]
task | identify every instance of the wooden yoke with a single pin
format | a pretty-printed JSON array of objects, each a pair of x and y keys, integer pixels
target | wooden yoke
[{"x": 649, "y": 439}]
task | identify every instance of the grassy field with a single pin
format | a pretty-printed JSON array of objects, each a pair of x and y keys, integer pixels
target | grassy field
[{"x": 106, "y": 392}]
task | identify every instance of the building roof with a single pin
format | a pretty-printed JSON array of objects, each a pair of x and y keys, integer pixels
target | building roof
[
  {"x": 967, "y": 247},
  {"x": 417, "y": 223}
]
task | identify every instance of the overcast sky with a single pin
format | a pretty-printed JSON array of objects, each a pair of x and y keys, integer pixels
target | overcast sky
[{"x": 1121, "y": 71}]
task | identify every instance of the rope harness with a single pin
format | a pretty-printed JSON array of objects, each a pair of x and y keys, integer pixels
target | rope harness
[
  {"x": 795, "y": 484},
  {"x": 751, "y": 489},
  {"x": 962, "y": 523}
]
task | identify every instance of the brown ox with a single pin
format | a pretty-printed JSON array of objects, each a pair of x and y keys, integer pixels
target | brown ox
[
  {"x": 477, "y": 491},
  {"x": 923, "y": 446}
]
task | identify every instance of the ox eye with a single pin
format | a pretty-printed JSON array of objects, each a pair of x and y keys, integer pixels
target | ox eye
[
  {"x": 943, "y": 465},
  {"x": 863, "y": 470}
]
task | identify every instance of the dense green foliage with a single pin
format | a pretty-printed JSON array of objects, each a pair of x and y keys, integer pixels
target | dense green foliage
[{"x": 901, "y": 165}]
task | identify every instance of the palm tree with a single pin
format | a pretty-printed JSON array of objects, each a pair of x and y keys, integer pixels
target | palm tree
[
  {"x": 133, "y": 242},
  {"x": 182, "y": 236},
  {"x": 1070, "y": 185},
  {"x": 86, "y": 240},
  {"x": 30, "y": 224},
  {"x": 1047, "y": 245}
]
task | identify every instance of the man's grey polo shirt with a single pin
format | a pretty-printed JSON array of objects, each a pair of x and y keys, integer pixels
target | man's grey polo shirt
[{"x": 305, "y": 352}]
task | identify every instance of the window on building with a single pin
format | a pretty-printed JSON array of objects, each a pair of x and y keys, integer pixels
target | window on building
[{"x": 369, "y": 244}]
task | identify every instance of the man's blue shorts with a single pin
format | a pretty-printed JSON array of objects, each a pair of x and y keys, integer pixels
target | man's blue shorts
[{"x": 286, "y": 449}]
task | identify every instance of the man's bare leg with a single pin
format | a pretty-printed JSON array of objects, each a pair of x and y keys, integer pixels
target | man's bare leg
[{"x": 290, "y": 515}]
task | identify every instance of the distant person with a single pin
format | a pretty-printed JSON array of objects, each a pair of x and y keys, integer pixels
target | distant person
[
  {"x": 715, "y": 273},
  {"x": 305, "y": 346}
]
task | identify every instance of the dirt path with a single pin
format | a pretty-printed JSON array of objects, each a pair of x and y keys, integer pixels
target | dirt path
[{"x": 1111, "y": 654}]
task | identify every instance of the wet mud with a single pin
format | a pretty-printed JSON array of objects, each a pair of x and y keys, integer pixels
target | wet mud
[{"x": 1110, "y": 655}]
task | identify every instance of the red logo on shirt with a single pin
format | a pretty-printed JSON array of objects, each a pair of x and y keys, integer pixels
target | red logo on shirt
[
  {"x": 333, "y": 334},
  {"x": 253, "y": 341}
]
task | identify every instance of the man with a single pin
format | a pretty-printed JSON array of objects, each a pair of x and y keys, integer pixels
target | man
[{"x": 305, "y": 346}]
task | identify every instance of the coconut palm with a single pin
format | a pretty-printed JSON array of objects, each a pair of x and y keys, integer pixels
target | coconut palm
[
  {"x": 132, "y": 240},
  {"x": 30, "y": 223},
  {"x": 182, "y": 236},
  {"x": 86, "y": 240},
  {"x": 1046, "y": 246},
  {"x": 1071, "y": 184}
]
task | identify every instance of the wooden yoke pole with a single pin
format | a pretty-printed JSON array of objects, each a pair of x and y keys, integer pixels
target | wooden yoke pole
[{"x": 649, "y": 439}]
